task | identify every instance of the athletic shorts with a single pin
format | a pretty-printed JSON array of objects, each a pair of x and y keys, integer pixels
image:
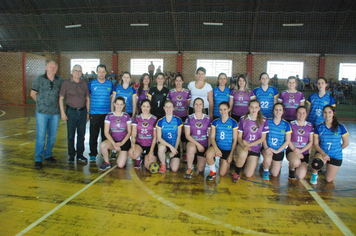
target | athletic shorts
[
  {"x": 126, "y": 146},
  {"x": 251, "y": 153},
  {"x": 333, "y": 161},
  {"x": 277, "y": 157},
  {"x": 305, "y": 159},
  {"x": 225, "y": 154},
  {"x": 182, "y": 136},
  {"x": 235, "y": 117},
  {"x": 146, "y": 150},
  {"x": 200, "y": 153}
]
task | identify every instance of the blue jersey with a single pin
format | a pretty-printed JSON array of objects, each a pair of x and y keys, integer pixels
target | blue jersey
[
  {"x": 169, "y": 129},
  {"x": 100, "y": 94},
  {"x": 224, "y": 133},
  {"x": 277, "y": 133},
  {"x": 329, "y": 141},
  {"x": 220, "y": 96},
  {"x": 317, "y": 105},
  {"x": 266, "y": 99},
  {"x": 127, "y": 93}
]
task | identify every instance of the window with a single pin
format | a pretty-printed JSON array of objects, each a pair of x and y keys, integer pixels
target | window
[
  {"x": 347, "y": 70},
  {"x": 215, "y": 67},
  {"x": 284, "y": 69},
  {"x": 88, "y": 65},
  {"x": 139, "y": 66}
]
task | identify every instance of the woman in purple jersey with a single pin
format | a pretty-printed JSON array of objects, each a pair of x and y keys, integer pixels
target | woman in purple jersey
[
  {"x": 298, "y": 150},
  {"x": 253, "y": 128},
  {"x": 240, "y": 97},
  {"x": 117, "y": 130},
  {"x": 291, "y": 99},
  {"x": 181, "y": 99},
  {"x": 143, "y": 139},
  {"x": 197, "y": 129},
  {"x": 142, "y": 90}
]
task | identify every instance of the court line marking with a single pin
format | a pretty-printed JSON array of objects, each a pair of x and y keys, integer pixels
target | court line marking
[
  {"x": 63, "y": 203},
  {"x": 4, "y": 137},
  {"x": 24, "y": 143},
  {"x": 3, "y": 113},
  {"x": 190, "y": 213},
  {"x": 327, "y": 209},
  {"x": 18, "y": 134}
]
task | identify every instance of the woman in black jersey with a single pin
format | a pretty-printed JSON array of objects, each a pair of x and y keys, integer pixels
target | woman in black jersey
[{"x": 158, "y": 96}]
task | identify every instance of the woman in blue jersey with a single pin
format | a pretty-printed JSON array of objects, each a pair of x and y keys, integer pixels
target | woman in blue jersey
[
  {"x": 117, "y": 129},
  {"x": 221, "y": 94},
  {"x": 197, "y": 129},
  {"x": 330, "y": 138},
  {"x": 276, "y": 142},
  {"x": 317, "y": 101},
  {"x": 128, "y": 93},
  {"x": 169, "y": 130},
  {"x": 239, "y": 98},
  {"x": 267, "y": 95},
  {"x": 224, "y": 140}
]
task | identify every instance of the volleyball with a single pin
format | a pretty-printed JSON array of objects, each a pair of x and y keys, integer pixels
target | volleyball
[{"x": 154, "y": 168}]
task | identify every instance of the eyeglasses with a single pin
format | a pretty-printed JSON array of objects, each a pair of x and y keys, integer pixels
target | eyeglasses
[
  {"x": 50, "y": 85},
  {"x": 79, "y": 71}
]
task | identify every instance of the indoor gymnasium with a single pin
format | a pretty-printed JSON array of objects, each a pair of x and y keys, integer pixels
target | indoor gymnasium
[{"x": 177, "y": 117}]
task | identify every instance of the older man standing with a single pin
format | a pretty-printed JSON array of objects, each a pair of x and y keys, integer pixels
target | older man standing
[
  {"x": 76, "y": 94},
  {"x": 100, "y": 91},
  {"x": 45, "y": 90}
]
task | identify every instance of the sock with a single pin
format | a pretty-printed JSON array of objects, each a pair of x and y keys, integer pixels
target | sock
[
  {"x": 266, "y": 170},
  {"x": 212, "y": 168},
  {"x": 238, "y": 170},
  {"x": 139, "y": 158}
]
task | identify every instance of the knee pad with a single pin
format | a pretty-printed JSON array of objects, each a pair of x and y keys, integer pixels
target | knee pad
[{"x": 317, "y": 164}]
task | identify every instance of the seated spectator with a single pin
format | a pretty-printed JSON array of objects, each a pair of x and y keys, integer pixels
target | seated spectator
[
  {"x": 339, "y": 96},
  {"x": 307, "y": 83}
]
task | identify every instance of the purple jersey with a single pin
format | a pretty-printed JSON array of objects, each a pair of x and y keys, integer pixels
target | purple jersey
[
  {"x": 300, "y": 135},
  {"x": 140, "y": 98},
  {"x": 145, "y": 129},
  {"x": 241, "y": 100},
  {"x": 291, "y": 102},
  {"x": 118, "y": 125},
  {"x": 251, "y": 132},
  {"x": 199, "y": 128},
  {"x": 180, "y": 101}
]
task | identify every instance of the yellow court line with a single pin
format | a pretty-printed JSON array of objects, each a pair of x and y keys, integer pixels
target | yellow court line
[
  {"x": 190, "y": 213},
  {"x": 63, "y": 203},
  {"x": 327, "y": 209}
]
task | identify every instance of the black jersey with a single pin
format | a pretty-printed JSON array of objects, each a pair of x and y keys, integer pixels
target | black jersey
[{"x": 158, "y": 97}]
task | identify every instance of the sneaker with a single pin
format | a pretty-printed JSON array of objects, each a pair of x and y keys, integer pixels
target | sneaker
[
  {"x": 211, "y": 176},
  {"x": 51, "y": 159},
  {"x": 188, "y": 174},
  {"x": 71, "y": 160},
  {"x": 38, "y": 165},
  {"x": 235, "y": 177},
  {"x": 82, "y": 159},
  {"x": 137, "y": 164},
  {"x": 184, "y": 157},
  {"x": 162, "y": 170},
  {"x": 292, "y": 175},
  {"x": 314, "y": 179},
  {"x": 105, "y": 166},
  {"x": 92, "y": 158},
  {"x": 266, "y": 175},
  {"x": 112, "y": 156}
]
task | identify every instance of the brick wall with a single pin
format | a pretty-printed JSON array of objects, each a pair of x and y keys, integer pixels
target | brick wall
[
  {"x": 260, "y": 64},
  {"x": 65, "y": 70},
  {"x": 11, "y": 77},
  {"x": 35, "y": 65}
]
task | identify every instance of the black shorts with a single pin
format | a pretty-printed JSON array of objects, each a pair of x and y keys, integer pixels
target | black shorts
[
  {"x": 146, "y": 150},
  {"x": 200, "y": 153},
  {"x": 277, "y": 157},
  {"x": 235, "y": 117},
  {"x": 251, "y": 153},
  {"x": 225, "y": 154},
  {"x": 335, "y": 162},
  {"x": 305, "y": 159},
  {"x": 126, "y": 146},
  {"x": 182, "y": 136}
]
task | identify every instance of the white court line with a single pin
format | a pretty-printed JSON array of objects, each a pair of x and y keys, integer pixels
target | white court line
[
  {"x": 30, "y": 131},
  {"x": 18, "y": 134},
  {"x": 349, "y": 160},
  {"x": 190, "y": 213},
  {"x": 327, "y": 209},
  {"x": 2, "y": 113},
  {"x": 63, "y": 203},
  {"x": 4, "y": 137},
  {"x": 24, "y": 143}
]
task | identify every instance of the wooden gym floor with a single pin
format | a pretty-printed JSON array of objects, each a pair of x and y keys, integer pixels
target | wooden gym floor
[{"x": 70, "y": 199}]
